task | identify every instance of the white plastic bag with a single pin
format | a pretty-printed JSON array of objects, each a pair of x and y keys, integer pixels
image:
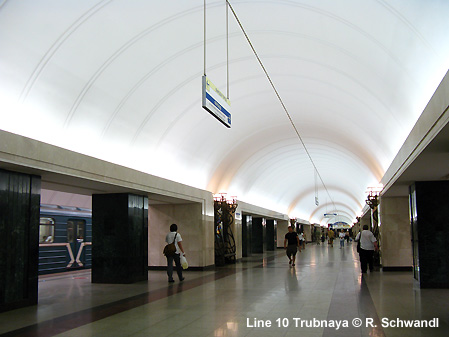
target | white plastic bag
[{"x": 184, "y": 263}]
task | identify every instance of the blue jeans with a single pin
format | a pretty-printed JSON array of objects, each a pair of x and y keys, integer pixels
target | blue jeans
[
  {"x": 342, "y": 243},
  {"x": 177, "y": 260}
]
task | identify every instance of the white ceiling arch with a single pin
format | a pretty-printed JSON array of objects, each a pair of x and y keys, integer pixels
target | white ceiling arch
[
  {"x": 121, "y": 81},
  {"x": 343, "y": 215}
]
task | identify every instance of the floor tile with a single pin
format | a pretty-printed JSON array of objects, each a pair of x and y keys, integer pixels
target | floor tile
[{"x": 326, "y": 284}]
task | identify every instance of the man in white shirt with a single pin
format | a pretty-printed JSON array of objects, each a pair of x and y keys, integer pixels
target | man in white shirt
[
  {"x": 368, "y": 244},
  {"x": 341, "y": 235},
  {"x": 301, "y": 241},
  {"x": 175, "y": 237}
]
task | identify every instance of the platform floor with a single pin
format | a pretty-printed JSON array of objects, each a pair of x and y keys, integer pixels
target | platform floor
[{"x": 324, "y": 288}]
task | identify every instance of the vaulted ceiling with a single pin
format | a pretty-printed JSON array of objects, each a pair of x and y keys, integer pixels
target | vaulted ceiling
[{"x": 121, "y": 81}]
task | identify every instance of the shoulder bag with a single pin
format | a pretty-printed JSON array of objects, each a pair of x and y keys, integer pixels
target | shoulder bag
[{"x": 170, "y": 249}]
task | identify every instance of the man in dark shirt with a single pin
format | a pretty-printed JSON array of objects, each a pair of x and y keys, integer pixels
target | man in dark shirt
[{"x": 293, "y": 243}]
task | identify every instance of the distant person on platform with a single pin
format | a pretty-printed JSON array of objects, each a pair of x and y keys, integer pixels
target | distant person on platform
[
  {"x": 301, "y": 240},
  {"x": 331, "y": 235},
  {"x": 317, "y": 236},
  {"x": 175, "y": 237},
  {"x": 293, "y": 243},
  {"x": 368, "y": 244},
  {"x": 341, "y": 235}
]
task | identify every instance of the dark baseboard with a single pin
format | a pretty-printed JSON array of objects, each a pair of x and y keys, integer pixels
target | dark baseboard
[
  {"x": 17, "y": 304},
  {"x": 207, "y": 268},
  {"x": 409, "y": 268}
]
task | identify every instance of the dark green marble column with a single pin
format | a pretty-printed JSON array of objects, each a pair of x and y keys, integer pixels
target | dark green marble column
[
  {"x": 270, "y": 237},
  {"x": 247, "y": 223},
  {"x": 19, "y": 230},
  {"x": 429, "y": 209},
  {"x": 120, "y": 238},
  {"x": 257, "y": 241}
]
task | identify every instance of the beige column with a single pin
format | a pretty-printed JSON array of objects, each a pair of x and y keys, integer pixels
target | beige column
[
  {"x": 237, "y": 231},
  {"x": 308, "y": 232},
  {"x": 355, "y": 229},
  {"x": 195, "y": 226},
  {"x": 366, "y": 220},
  {"x": 282, "y": 229},
  {"x": 396, "y": 249}
]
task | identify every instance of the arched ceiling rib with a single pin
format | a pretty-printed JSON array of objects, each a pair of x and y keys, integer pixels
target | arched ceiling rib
[
  {"x": 121, "y": 81},
  {"x": 327, "y": 208},
  {"x": 308, "y": 194}
]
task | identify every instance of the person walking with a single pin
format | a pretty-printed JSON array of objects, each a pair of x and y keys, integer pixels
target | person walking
[
  {"x": 174, "y": 237},
  {"x": 318, "y": 235},
  {"x": 368, "y": 244},
  {"x": 301, "y": 240},
  {"x": 341, "y": 235},
  {"x": 330, "y": 234},
  {"x": 292, "y": 239}
]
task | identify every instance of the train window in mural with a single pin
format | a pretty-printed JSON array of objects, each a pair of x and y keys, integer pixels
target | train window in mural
[{"x": 46, "y": 230}]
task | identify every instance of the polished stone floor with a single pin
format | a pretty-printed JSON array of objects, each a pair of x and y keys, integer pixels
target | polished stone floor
[{"x": 323, "y": 295}]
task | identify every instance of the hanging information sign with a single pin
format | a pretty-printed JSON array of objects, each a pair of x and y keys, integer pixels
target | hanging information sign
[{"x": 217, "y": 104}]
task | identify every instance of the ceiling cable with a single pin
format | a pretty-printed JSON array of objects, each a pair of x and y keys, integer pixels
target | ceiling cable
[
  {"x": 204, "y": 43},
  {"x": 280, "y": 100},
  {"x": 227, "y": 52}
]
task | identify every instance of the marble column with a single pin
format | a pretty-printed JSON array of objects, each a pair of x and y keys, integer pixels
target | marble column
[
  {"x": 247, "y": 230},
  {"x": 396, "y": 247},
  {"x": 258, "y": 233},
  {"x": 120, "y": 238},
  {"x": 307, "y": 228},
  {"x": 429, "y": 213},
  {"x": 195, "y": 227},
  {"x": 282, "y": 229},
  {"x": 237, "y": 230},
  {"x": 19, "y": 230},
  {"x": 365, "y": 220},
  {"x": 270, "y": 237}
]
